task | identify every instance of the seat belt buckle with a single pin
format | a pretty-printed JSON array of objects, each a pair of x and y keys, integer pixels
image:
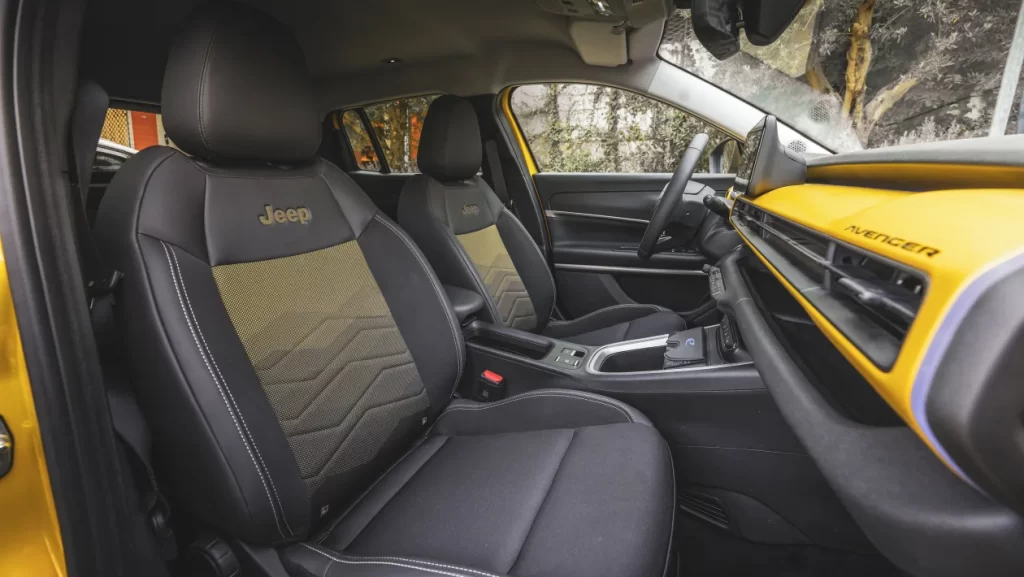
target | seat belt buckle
[
  {"x": 104, "y": 286},
  {"x": 157, "y": 512},
  {"x": 489, "y": 386}
]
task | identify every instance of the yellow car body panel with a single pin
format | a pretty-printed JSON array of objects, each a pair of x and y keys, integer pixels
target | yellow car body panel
[
  {"x": 952, "y": 236},
  {"x": 30, "y": 541},
  {"x": 524, "y": 148}
]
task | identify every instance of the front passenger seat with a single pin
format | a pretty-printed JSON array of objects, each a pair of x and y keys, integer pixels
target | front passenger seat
[
  {"x": 296, "y": 357},
  {"x": 475, "y": 243}
]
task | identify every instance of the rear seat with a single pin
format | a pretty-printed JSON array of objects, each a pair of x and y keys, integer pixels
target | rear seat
[{"x": 296, "y": 357}]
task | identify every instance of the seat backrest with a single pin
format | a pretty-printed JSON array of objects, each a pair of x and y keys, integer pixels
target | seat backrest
[
  {"x": 471, "y": 239},
  {"x": 287, "y": 341}
]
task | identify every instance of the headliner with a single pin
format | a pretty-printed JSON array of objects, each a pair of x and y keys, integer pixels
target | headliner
[{"x": 458, "y": 46}]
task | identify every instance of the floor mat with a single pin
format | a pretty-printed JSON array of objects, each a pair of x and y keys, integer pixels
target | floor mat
[{"x": 707, "y": 551}]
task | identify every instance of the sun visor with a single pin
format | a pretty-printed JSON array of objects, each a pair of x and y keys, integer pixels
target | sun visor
[{"x": 599, "y": 43}]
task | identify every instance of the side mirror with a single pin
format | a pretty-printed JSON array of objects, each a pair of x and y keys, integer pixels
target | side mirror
[{"x": 725, "y": 158}]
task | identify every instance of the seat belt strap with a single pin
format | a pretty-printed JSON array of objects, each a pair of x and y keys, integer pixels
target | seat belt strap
[
  {"x": 497, "y": 176},
  {"x": 130, "y": 425},
  {"x": 101, "y": 286}
]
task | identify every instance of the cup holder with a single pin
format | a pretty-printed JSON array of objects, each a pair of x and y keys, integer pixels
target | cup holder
[
  {"x": 634, "y": 361},
  {"x": 639, "y": 356}
]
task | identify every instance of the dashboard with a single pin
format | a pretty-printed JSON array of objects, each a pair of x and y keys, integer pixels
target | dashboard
[{"x": 918, "y": 283}]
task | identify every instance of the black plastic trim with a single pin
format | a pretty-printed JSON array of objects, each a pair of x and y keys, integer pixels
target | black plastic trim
[
  {"x": 918, "y": 513},
  {"x": 975, "y": 401},
  {"x": 43, "y": 272}
]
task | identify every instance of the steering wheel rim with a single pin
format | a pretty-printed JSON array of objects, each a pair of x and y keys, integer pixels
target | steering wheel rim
[{"x": 670, "y": 196}]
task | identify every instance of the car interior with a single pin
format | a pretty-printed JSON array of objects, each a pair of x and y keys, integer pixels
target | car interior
[{"x": 305, "y": 356}]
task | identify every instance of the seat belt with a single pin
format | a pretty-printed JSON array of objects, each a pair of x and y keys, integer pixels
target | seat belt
[
  {"x": 130, "y": 426},
  {"x": 497, "y": 176},
  {"x": 102, "y": 283}
]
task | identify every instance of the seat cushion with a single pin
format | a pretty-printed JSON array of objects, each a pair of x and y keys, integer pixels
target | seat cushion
[
  {"x": 551, "y": 482},
  {"x": 616, "y": 324}
]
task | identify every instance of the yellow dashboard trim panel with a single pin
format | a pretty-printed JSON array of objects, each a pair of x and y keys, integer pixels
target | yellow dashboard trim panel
[
  {"x": 920, "y": 176},
  {"x": 968, "y": 231},
  {"x": 30, "y": 541}
]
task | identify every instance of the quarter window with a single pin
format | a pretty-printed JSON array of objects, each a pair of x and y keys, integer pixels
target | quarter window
[
  {"x": 590, "y": 128},
  {"x": 396, "y": 125},
  {"x": 359, "y": 139}
]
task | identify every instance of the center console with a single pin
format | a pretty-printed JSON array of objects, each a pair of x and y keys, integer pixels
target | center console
[{"x": 709, "y": 358}]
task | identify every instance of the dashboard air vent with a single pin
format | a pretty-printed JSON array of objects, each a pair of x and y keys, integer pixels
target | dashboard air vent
[{"x": 871, "y": 300}]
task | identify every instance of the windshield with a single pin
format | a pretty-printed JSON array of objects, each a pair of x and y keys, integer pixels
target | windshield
[{"x": 855, "y": 74}]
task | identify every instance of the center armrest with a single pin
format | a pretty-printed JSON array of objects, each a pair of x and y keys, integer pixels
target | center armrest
[
  {"x": 509, "y": 339},
  {"x": 465, "y": 303}
]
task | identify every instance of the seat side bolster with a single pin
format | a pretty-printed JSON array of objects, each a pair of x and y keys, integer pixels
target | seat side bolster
[
  {"x": 318, "y": 561},
  {"x": 356, "y": 207},
  {"x": 530, "y": 264},
  {"x": 419, "y": 306},
  {"x": 535, "y": 410}
]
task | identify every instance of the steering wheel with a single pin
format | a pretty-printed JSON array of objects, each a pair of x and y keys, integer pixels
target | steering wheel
[{"x": 670, "y": 196}]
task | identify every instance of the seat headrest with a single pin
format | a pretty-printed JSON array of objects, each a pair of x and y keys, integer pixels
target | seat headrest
[
  {"x": 450, "y": 142},
  {"x": 237, "y": 89}
]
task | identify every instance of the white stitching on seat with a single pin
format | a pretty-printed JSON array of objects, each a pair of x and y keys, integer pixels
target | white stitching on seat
[
  {"x": 220, "y": 389},
  {"x": 252, "y": 441},
  {"x": 372, "y": 561},
  {"x": 536, "y": 394},
  {"x": 437, "y": 291},
  {"x": 543, "y": 260},
  {"x": 653, "y": 308},
  {"x": 432, "y": 564},
  {"x": 625, "y": 413}
]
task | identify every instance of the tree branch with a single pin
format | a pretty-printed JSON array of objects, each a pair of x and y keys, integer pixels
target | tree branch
[
  {"x": 858, "y": 61},
  {"x": 816, "y": 75},
  {"x": 884, "y": 101}
]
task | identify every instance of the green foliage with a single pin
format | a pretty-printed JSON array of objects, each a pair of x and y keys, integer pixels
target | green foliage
[
  {"x": 587, "y": 128},
  {"x": 398, "y": 124}
]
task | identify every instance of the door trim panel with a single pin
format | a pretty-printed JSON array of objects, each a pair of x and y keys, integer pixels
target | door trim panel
[
  {"x": 628, "y": 270},
  {"x": 593, "y": 216}
]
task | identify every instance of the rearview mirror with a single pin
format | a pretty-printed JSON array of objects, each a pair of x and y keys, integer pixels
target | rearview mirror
[{"x": 717, "y": 23}]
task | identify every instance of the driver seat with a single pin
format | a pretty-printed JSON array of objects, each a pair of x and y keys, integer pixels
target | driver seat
[{"x": 473, "y": 242}]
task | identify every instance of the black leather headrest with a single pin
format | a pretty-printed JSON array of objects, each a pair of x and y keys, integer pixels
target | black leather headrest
[
  {"x": 450, "y": 142},
  {"x": 237, "y": 89}
]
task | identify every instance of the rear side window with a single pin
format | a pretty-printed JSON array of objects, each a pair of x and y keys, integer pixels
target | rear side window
[
  {"x": 134, "y": 129},
  {"x": 395, "y": 125},
  {"x": 359, "y": 139}
]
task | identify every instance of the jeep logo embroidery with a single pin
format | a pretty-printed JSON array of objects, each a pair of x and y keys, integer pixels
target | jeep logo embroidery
[
  {"x": 470, "y": 210},
  {"x": 299, "y": 214}
]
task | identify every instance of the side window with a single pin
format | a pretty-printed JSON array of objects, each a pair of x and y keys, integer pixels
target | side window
[
  {"x": 590, "y": 128},
  {"x": 396, "y": 126},
  {"x": 359, "y": 138},
  {"x": 134, "y": 129}
]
